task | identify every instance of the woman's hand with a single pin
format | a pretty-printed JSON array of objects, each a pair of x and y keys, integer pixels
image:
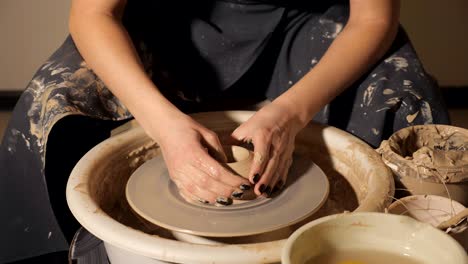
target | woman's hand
[
  {"x": 368, "y": 34},
  {"x": 102, "y": 40},
  {"x": 272, "y": 131},
  {"x": 186, "y": 145}
]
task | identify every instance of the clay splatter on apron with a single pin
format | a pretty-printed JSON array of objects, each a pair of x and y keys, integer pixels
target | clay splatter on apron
[{"x": 277, "y": 43}]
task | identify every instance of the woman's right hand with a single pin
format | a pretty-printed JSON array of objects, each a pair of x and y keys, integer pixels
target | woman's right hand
[
  {"x": 102, "y": 40},
  {"x": 186, "y": 146}
]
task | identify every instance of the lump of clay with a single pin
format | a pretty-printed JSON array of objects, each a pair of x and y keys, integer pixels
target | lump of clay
[
  {"x": 434, "y": 152},
  {"x": 239, "y": 160}
]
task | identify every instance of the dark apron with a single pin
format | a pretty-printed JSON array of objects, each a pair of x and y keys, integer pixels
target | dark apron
[{"x": 202, "y": 56}]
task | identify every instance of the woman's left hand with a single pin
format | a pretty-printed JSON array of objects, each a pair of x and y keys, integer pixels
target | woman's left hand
[{"x": 272, "y": 131}]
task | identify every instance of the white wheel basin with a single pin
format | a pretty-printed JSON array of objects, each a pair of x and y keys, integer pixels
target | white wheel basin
[{"x": 96, "y": 194}]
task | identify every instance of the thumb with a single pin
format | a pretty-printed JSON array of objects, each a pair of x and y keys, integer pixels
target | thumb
[{"x": 213, "y": 144}]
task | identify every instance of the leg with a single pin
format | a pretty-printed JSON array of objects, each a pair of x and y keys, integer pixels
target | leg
[
  {"x": 68, "y": 141},
  {"x": 31, "y": 189},
  {"x": 396, "y": 93}
]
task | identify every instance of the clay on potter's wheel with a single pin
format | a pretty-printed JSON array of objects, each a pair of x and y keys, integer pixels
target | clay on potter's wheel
[
  {"x": 152, "y": 195},
  {"x": 239, "y": 161}
]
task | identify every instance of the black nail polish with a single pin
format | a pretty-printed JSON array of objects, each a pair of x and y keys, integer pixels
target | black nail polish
[
  {"x": 268, "y": 191},
  {"x": 203, "y": 201},
  {"x": 244, "y": 187},
  {"x": 224, "y": 200},
  {"x": 262, "y": 188},
  {"x": 275, "y": 189},
  {"x": 237, "y": 194},
  {"x": 256, "y": 178},
  {"x": 279, "y": 184}
]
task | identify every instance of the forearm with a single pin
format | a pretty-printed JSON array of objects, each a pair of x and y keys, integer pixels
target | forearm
[
  {"x": 352, "y": 53},
  {"x": 108, "y": 50}
]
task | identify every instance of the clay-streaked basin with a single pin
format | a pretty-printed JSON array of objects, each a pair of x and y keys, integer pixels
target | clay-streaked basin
[{"x": 96, "y": 194}]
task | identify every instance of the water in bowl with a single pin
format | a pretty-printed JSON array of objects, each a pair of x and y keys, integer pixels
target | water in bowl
[{"x": 361, "y": 256}]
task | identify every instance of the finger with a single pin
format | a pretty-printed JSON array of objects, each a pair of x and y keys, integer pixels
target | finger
[
  {"x": 284, "y": 157},
  {"x": 193, "y": 178},
  {"x": 239, "y": 134},
  {"x": 200, "y": 181},
  {"x": 263, "y": 185},
  {"x": 189, "y": 197},
  {"x": 240, "y": 138},
  {"x": 231, "y": 140},
  {"x": 285, "y": 169},
  {"x": 201, "y": 187},
  {"x": 283, "y": 163},
  {"x": 277, "y": 176},
  {"x": 281, "y": 175},
  {"x": 262, "y": 146},
  {"x": 215, "y": 148},
  {"x": 219, "y": 174},
  {"x": 279, "y": 145},
  {"x": 192, "y": 194}
]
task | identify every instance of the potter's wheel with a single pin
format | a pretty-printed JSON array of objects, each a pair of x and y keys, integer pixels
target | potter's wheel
[{"x": 153, "y": 196}]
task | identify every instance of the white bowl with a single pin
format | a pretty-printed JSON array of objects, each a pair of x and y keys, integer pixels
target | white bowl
[
  {"x": 96, "y": 193},
  {"x": 394, "y": 234},
  {"x": 431, "y": 209}
]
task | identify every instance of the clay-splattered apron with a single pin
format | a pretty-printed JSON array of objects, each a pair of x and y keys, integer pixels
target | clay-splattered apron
[{"x": 201, "y": 57}]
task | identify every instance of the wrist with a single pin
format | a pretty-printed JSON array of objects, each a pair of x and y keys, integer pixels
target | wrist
[
  {"x": 294, "y": 110},
  {"x": 162, "y": 123},
  {"x": 157, "y": 116}
]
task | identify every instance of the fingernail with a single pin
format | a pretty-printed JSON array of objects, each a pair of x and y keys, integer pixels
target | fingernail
[
  {"x": 224, "y": 200},
  {"x": 276, "y": 189},
  {"x": 256, "y": 178},
  {"x": 244, "y": 187},
  {"x": 203, "y": 201},
  {"x": 262, "y": 188},
  {"x": 279, "y": 184},
  {"x": 268, "y": 191},
  {"x": 237, "y": 194}
]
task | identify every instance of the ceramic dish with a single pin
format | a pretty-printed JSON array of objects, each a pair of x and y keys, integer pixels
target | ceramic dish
[
  {"x": 431, "y": 209},
  {"x": 398, "y": 237},
  {"x": 434, "y": 210},
  {"x": 152, "y": 195}
]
